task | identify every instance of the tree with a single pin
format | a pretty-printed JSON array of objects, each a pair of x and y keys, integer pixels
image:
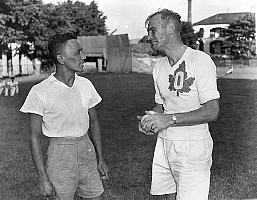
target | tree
[
  {"x": 8, "y": 26},
  {"x": 82, "y": 19},
  {"x": 97, "y": 20},
  {"x": 77, "y": 17},
  {"x": 30, "y": 23},
  {"x": 33, "y": 24},
  {"x": 8, "y": 29},
  {"x": 20, "y": 23},
  {"x": 240, "y": 38},
  {"x": 188, "y": 36}
]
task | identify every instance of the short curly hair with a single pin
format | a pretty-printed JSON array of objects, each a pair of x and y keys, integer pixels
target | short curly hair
[
  {"x": 166, "y": 16},
  {"x": 57, "y": 42}
]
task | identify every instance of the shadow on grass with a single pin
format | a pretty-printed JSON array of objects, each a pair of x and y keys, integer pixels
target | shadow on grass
[{"x": 128, "y": 152}]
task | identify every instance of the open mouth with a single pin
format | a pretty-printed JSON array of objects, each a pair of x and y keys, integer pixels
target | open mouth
[
  {"x": 82, "y": 65},
  {"x": 153, "y": 42}
]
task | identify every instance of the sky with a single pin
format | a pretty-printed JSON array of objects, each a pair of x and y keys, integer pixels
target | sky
[{"x": 128, "y": 16}]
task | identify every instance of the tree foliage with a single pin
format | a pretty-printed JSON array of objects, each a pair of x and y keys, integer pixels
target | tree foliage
[
  {"x": 78, "y": 17},
  {"x": 30, "y": 23},
  {"x": 188, "y": 36},
  {"x": 240, "y": 38}
]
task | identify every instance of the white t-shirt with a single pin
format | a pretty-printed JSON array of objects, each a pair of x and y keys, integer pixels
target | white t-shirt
[
  {"x": 64, "y": 109},
  {"x": 184, "y": 87}
]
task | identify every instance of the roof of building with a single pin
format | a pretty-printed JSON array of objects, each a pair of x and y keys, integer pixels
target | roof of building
[
  {"x": 222, "y": 18},
  {"x": 134, "y": 40}
]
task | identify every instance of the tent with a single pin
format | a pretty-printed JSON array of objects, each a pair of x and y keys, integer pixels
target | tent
[{"x": 112, "y": 53}]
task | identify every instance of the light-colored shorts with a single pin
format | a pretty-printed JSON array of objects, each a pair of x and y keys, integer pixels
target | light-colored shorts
[
  {"x": 182, "y": 167},
  {"x": 72, "y": 167}
]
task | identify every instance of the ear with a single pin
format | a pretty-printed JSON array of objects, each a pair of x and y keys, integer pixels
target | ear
[
  {"x": 60, "y": 59},
  {"x": 170, "y": 28}
]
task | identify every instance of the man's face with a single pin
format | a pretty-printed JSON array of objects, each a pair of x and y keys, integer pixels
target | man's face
[
  {"x": 157, "y": 33},
  {"x": 72, "y": 56}
]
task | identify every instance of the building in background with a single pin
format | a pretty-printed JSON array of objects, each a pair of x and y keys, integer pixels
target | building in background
[
  {"x": 111, "y": 53},
  {"x": 213, "y": 30}
]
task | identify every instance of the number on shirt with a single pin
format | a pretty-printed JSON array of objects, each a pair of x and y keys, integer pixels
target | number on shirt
[{"x": 179, "y": 80}]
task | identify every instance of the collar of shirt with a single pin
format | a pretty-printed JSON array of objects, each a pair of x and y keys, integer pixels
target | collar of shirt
[{"x": 52, "y": 79}]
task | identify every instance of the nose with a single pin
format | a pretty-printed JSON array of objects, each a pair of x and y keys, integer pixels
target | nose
[
  {"x": 150, "y": 36},
  {"x": 81, "y": 55}
]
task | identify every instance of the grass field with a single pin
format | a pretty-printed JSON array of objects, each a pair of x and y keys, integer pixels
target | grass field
[{"x": 128, "y": 152}]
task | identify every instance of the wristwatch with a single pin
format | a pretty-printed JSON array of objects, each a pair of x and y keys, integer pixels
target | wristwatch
[{"x": 174, "y": 119}]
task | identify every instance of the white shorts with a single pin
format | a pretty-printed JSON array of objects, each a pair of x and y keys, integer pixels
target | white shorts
[{"x": 182, "y": 167}]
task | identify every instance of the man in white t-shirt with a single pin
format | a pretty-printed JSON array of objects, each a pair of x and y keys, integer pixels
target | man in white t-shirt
[
  {"x": 62, "y": 107},
  {"x": 186, "y": 99}
]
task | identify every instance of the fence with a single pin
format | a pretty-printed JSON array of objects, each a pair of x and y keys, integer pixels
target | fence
[{"x": 226, "y": 62}]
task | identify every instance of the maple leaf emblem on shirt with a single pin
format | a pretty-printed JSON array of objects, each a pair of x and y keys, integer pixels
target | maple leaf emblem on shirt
[{"x": 180, "y": 85}]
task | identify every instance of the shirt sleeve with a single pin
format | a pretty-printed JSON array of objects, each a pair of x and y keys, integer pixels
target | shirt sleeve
[
  {"x": 157, "y": 97},
  {"x": 33, "y": 104},
  {"x": 206, "y": 79},
  {"x": 95, "y": 97}
]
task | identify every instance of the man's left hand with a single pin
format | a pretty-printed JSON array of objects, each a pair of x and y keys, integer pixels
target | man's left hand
[
  {"x": 156, "y": 122},
  {"x": 103, "y": 169}
]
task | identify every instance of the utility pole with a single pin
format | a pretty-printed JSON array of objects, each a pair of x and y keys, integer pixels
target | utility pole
[
  {"x": 253, "y": 10},
  {"x": 189, "y": 16},
  {"x": 255, "y": 13}
]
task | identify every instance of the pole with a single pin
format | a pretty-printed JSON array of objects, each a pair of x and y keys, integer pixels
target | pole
[
  {"x": 255, "y": 13},
  {"x": 189, "y": 17}
]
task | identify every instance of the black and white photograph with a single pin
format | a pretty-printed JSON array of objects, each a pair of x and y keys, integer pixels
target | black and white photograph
[{"x": 128, "y": 100}]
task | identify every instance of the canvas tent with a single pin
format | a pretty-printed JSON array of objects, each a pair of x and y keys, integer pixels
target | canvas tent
[{"x": 111, "y": 53}]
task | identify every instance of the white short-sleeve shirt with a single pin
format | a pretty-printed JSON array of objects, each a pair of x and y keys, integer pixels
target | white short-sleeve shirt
[
  {"x": 185, "y": 87},
  {"x": 64, "y": 109}
]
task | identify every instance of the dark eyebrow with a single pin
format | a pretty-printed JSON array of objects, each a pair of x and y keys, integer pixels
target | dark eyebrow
[
  {"x": 79, "y": 50},
  {"x": 152, "y": 28}
]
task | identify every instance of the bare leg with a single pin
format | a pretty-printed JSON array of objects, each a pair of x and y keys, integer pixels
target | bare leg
[
  {"x": 96, "y": 198},
  {"x": 170, "y": 196}
]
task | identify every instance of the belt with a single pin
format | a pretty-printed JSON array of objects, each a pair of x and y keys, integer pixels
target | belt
[{"x": 69, "y": 140}]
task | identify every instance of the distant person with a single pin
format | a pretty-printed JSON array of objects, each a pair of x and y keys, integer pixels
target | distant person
[
  {"x": 200, "y": 35},
  {"x": 201, "y": 44},
  {"x": 186, "y": 99},
  {"x": 12, "y": 87},
  {"x": 2, "y": 86},
  {"x": 7, "y": 88},
  {"x": 62, "y": 107}
]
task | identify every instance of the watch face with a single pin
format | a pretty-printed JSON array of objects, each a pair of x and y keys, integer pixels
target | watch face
[{"x": 174, "y": 119}]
